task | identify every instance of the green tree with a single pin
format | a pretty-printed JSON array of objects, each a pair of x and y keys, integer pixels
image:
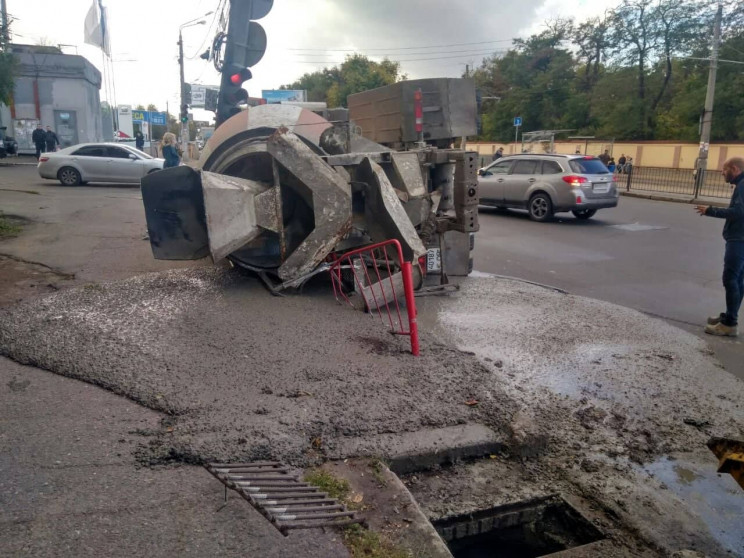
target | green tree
[
  {"x": 152, "y": 108},
  {"x": 8, "y": 65},
  {"x": 357, "y": 73}
]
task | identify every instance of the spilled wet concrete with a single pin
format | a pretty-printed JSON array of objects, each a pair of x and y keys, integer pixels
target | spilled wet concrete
[
  {"x": 583, "y": 394},
  {"x": 610, "y": 393},
  {"x": 244, "y": 375}
]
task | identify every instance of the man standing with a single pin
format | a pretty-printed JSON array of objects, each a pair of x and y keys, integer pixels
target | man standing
[
  {"x": 51, "y": 139},
  {"x": 605, "y": 157},
  {"x": 499, "y": 153},
  {"x": 139, "y": 140},
  {"x": 733, "y": 264},
  {"x": 39, "y": 139}
]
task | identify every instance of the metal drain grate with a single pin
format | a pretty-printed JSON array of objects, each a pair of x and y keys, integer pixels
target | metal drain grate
[{"x": 285, "y": 501}]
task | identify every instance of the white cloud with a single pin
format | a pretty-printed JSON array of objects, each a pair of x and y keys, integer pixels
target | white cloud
[{"x": 144, "y": 35}]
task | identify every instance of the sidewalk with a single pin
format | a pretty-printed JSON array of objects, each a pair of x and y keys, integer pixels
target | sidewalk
[
  {"x": 20, "y": 160},
  {"x": 71, "y": 486},
  {"x": 678, "y": 198}
]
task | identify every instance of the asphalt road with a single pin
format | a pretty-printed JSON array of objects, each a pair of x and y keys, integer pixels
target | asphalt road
[
  {"x": 657, "y": 257},
  {"x": 96, "y": 232}
]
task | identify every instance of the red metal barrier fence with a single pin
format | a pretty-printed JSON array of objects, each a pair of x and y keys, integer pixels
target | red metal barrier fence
[{"x": 374, "y": 276}]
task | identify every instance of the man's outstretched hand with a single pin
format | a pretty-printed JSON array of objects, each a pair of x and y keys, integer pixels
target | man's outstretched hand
[{"x": 701, "y": 209}]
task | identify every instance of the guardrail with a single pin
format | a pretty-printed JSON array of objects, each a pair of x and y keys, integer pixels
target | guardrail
[
  {"x": 673, "y": 181},
  {"x": 378, "y": 280}
]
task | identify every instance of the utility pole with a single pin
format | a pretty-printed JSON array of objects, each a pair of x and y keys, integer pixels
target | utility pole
[
  {"x": 702, "y": 161},
  {"x": 6, "y": 32},
  {"x": 184, "y": 125}
]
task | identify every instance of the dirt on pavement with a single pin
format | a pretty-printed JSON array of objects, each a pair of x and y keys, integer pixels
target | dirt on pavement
[{"x": 589, "y": 397}]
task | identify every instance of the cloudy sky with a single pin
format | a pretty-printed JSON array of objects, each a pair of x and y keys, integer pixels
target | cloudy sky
[{"x": 431, "y": 38}]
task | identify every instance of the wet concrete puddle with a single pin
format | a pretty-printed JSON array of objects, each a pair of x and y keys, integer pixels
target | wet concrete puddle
[{"x": 714, "y": 497}]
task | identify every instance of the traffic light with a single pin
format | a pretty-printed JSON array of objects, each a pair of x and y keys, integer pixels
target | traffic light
[
  {"x": 184, "y": 113},
  {"x": 232, "y": 94},
  {"x": 245, "y": 46}
]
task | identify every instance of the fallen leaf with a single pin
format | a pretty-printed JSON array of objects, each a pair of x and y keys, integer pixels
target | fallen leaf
[
  {"x": 471, "y": 402},
  {"x": 357, "y": 498}
]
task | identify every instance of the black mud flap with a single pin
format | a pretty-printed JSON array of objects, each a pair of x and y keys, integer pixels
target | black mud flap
[{"x": 174, "y": 209}]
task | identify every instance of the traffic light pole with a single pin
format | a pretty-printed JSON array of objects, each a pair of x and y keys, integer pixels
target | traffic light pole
[{"x": 184, "y": 125}]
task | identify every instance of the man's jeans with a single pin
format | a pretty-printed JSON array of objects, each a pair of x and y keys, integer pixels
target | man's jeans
[
  {"x": 733, "y": 280},
  {"x": 40, "y": 148}
]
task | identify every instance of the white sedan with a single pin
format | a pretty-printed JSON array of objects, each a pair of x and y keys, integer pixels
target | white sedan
[{"x": 97, "y": 162}]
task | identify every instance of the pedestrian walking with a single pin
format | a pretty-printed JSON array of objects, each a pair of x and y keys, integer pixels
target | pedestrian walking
[
  {"x": 51, "y": 139},
  {"x": 725, "y": 324},
  {"x": 39, "y": 139},
  {"x": 499, "y": 153},
  {"x": 139, "y": 140},
  {"x": 170, "y": 151}
]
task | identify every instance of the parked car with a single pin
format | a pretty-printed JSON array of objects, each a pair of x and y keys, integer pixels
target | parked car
[
  {"x": 547, "y": 184},
  {"x": 97, "y": 162}
]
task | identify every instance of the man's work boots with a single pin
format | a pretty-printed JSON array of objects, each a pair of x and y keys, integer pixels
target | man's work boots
[{"x": 722, "y": 330}]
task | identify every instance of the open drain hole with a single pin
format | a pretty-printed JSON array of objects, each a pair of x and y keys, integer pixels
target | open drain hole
[{"x": 524, "y": 529}]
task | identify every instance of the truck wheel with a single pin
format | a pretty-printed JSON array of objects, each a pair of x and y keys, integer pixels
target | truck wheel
[
  {"x": 69, "y": 176},
  {"x": 540, "y": 208}
]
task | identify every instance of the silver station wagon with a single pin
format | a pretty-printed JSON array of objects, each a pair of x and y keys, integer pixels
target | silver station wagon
[{"x": 546, "y": 184}]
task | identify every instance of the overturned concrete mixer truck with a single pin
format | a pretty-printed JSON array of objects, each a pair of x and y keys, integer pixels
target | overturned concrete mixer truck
[{"x": 282, "y": 191}]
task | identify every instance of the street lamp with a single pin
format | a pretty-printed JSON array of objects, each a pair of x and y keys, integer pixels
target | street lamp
[{"x": 184, "y": 105}]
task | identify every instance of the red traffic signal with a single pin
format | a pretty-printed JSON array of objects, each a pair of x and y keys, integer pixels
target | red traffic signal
[{"x": 238, "y": 77}]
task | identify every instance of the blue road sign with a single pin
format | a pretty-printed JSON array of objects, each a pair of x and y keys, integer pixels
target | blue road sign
[{"x": 517, "y": 120}]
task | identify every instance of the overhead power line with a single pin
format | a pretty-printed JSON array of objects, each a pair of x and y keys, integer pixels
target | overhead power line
[
  {"x": 401, "y": 48},
  {"x": 460, "y": 56},
  {"x": 469, "y": 51}
]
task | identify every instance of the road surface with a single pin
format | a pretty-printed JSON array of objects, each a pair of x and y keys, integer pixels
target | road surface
[{"x": 657, "y": 257}]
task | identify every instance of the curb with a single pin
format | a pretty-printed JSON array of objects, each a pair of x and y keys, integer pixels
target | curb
[{"x": 657, "y": 197}]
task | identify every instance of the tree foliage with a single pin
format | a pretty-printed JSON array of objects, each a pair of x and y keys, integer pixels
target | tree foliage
[
  {"x": 7, "y": 70},
  {"x": 629, "y": 74},
  {"x": 357, "y": 73}
]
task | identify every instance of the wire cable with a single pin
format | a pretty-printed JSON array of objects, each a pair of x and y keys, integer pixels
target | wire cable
[{"x": 403, "y": 48}]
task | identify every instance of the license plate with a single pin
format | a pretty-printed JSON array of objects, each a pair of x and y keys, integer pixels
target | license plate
[
  {"x": 601, "y": 188},
  {"x": 433, "y": 259}
]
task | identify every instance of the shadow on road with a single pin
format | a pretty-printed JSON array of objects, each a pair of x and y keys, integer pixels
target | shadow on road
[{"x": 566, "y": 219}]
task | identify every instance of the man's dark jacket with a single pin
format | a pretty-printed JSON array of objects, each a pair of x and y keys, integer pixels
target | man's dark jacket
[
  {"x": 51, "y": 139},
  {"x": 39, "y": 136},
  {"x": 733, "y": 230}
]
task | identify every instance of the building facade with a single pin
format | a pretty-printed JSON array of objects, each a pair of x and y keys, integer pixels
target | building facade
[{"x": 54, "y": 89}]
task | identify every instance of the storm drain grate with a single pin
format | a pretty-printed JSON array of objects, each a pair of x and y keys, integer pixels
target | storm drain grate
[{"x": 281, "y": 497}]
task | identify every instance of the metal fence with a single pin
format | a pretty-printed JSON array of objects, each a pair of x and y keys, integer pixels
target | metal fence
[{"x": 673, "y": 181}]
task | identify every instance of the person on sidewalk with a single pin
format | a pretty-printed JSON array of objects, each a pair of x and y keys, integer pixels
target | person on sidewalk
[
  {"x": 170, "y": 152},
  {"x": 139, "y": 140},
  {"x": 726, "y": 323},
  {"x": 52, "y": 141},
  {"x": 38, "y": 137},
  {"x": 498, "y": 154}
]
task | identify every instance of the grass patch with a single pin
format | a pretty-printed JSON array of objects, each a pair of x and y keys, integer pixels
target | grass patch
[
  {"x": 335, "y": 487},
  {"x": 363, "y": 543},
  {"x": 377, "y": 467},
  {"x": 7, "y": 228}
]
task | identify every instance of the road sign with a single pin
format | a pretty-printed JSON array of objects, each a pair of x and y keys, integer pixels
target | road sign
[
  {"x": 198, "y": 94},
  {"x": 517, "y": 120}
]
